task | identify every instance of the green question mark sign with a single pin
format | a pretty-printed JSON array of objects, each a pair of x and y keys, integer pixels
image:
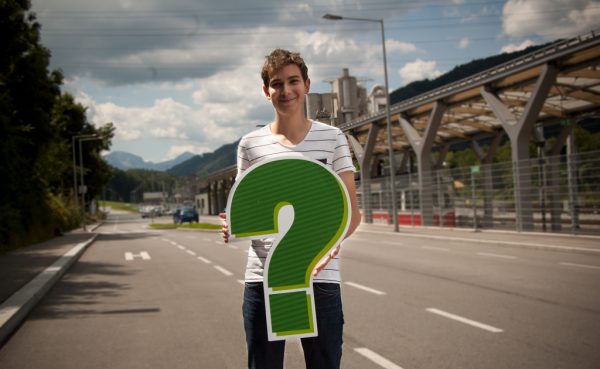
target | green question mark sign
[{"x": 259, "y": 206}]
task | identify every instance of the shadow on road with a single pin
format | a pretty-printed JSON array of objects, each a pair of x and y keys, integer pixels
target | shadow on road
[
  {"x": 20, "y": 266},
  {"x": 87, "y": 284}
]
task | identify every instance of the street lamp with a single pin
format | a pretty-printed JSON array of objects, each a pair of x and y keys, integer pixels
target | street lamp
[
  {"x": 80, "y": 138},
  {"x": 387, "y": 110}
]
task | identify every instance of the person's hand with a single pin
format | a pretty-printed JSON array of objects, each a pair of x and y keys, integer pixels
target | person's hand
[
  {"x": 323, "y": 263},
  {"x": 225, "y": 227}
]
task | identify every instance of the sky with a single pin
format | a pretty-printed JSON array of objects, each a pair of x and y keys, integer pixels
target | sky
[{"x": 184, "y": 75}]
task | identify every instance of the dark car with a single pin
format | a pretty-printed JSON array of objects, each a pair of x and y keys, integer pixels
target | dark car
[{"x": 187, "y": 214}]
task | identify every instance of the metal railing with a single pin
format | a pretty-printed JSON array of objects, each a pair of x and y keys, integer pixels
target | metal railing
[{"x": 552, "y": 194}]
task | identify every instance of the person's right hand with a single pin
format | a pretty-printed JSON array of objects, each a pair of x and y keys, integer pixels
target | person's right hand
[{"x": 225, "y": 227}]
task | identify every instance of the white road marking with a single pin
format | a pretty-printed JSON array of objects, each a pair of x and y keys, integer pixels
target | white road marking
[
  {"x": 435, "y": 248},
  {"x": 191, "y": 252},
  {"x": 204, "y": 260},
  {"x": 164, "y": 239},
  {"x": 181, "y": 247},
  {"x": 581, "y": 265},
  {"x": 223, "y": 270},
  {"x": 364, "y": 288},
  {"x": 173, "y": 243},
  {"x": 496, "y": 255},
  {"x": 129, "y": 256},
  {"x": 473, "y": 323},
  {"x": 376, "y": 358},
  {"x": 480, "y": 240}
]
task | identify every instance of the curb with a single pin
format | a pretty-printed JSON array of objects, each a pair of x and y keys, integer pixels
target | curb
[
  {"x": 16, "y": 308},
  {"x": 580, "y": 250}
]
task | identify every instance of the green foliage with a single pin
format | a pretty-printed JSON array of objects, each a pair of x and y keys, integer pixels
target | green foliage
[
  {"x": 119, "y": 206},
  {"x": 129, "y": 185},
  {"x": 65, "y": 214},
  {"x": 37, "y": 124}
]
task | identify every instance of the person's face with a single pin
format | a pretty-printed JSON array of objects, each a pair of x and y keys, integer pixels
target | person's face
[{"x": 286, "y": 89}]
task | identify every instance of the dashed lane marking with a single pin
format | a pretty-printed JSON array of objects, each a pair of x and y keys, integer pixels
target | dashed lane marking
[
  {"x": 376, "y": 358},
  {"x": 365, "y": 288},
  {"x": 191, "y": 252},
  {"x": 461, "y": 319},
  {"x": 496, "y": 255},
  {"x": 223, "y": 270},
  {"x": 205, "y": 260},
  {"x": 581, "y": 265}
]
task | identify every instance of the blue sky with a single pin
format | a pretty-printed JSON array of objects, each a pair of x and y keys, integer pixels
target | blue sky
[{"x": 183, "y": 75}]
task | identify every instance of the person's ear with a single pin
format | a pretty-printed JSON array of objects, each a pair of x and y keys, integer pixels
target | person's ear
[
  {"x": 307, "y": 86},
  {"x": 266, "y": 92}
]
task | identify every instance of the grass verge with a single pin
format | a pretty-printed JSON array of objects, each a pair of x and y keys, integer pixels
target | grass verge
[{"x": 208, "y": 226}]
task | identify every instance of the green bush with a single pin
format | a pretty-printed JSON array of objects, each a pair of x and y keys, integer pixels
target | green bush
[{"x": 64, "y": 212}]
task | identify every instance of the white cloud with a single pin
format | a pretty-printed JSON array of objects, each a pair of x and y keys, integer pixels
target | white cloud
[
  {"x": 185, "y": 75},
  {"x": 516, "y": 47},
  {"x": 418, "y": 70},
  {"x": 175, "y": 151},
  {"x": 550, "y": 18},
  {"x": 400, "y": 47},
  {"x": 463, "y": 43}
]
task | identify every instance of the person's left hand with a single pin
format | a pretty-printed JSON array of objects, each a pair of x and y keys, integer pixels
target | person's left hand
[{"x": 323, "y": 263}]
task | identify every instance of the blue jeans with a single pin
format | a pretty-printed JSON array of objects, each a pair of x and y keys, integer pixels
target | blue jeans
[{"x": 321, "y": 352}]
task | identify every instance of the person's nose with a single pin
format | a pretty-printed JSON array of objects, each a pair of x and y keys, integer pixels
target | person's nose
[{"x": 287, "y": 89}]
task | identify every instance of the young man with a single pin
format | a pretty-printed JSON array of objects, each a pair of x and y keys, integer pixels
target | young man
[{"x": 285, "y": 84}]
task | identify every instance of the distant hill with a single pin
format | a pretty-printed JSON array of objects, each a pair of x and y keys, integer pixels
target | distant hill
[
  {"x": 205, "y": 164},
  {"x": 459, "y": 72},
  {"x": 124, "y": 161}
]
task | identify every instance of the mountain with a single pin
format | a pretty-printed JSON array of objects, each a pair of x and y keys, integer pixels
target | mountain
[
  {"x": 124, "y": 160},
  {"x": 457, "y": 73},
  {"x": 202, "y": 165}
]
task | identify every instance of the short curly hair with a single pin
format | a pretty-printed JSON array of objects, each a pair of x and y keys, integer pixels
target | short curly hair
[{"x": 278, "y": 59}]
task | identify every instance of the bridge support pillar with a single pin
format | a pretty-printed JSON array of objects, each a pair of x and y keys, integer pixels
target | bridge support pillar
[
  {"x": 422, "y": 148},
  {"x": 365, "y": 159},
  {"x": 519, "y": 132}
]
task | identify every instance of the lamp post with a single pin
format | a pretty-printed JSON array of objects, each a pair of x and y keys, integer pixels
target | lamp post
[
  {"x": 80, "y": 138},
  {"x": 387, "y": 111}
]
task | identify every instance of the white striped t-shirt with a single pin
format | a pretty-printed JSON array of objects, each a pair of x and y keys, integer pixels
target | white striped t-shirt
[{"x": 323, "y": 143}]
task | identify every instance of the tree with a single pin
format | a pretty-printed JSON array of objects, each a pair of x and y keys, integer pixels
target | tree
[{"x": 36, "y": 126}]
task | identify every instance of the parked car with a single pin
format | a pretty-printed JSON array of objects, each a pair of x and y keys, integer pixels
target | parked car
[
  {"x": 150, "y": 211},
  {"x": 186, "y": 214}
]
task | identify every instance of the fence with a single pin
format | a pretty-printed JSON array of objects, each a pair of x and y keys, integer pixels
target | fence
[{"x": 548, "y": 194}]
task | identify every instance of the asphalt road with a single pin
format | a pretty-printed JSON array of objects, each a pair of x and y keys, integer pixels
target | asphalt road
[{"x": 140, "y": 298}]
